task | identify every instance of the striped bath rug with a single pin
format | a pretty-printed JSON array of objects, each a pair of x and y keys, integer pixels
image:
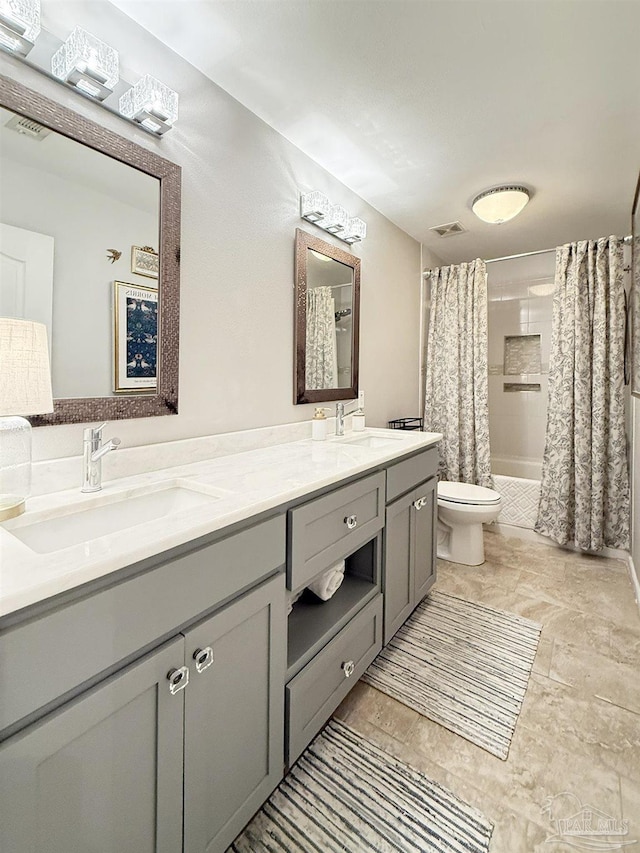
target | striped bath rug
[
  {"x": 463, "y": 665},
  {"x": 344, "y": 795}
]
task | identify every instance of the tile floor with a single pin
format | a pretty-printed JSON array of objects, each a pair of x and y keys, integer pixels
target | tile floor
[{"x": 578, "y": 734}]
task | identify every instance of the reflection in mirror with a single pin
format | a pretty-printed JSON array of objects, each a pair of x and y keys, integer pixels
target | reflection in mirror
[
  {"x": 89, "y": 245},
  {"x": 69, "y": 217},
  {"x": 327, "y": 294}
]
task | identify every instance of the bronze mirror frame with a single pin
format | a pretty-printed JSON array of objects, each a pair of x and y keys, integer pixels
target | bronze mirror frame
[
  {"x": 304, "y": 242},
  {"x": 164, "y": 401},
  {"x": 634, "y": 300}
]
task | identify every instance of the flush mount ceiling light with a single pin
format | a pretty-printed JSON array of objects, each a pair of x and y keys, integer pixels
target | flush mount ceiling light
[
  {"x": 19, "y": 25},
  {"x": 500, "y": 204}
]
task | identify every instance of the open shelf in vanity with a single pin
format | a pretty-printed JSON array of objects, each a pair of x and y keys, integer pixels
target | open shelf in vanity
[{"x": 312, "y": 622}]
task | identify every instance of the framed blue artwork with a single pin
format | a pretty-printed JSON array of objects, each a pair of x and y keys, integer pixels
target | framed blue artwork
[{"x": 135, "y": 315}]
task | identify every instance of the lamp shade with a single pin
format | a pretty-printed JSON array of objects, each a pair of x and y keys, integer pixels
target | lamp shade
[
  {"x": 25, "y": 375},
  {"x": 500, "y": 204}
]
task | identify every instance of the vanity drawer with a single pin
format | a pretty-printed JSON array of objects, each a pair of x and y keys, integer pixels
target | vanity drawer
[
  {"x": 317, "y": 690},
  {"x": 329, "y": 528},
  {"x": 407, "y": 474},
  {"x": 48, "y": 656}
]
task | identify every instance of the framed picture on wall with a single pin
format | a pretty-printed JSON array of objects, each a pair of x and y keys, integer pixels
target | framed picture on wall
[
  {"x": 635, "y": 294},
  {"x": 135, "y": 337},
  {"x": 145, "y": 261}
]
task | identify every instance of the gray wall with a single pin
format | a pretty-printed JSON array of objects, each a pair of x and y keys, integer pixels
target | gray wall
[{"x": 241, "y": 182}]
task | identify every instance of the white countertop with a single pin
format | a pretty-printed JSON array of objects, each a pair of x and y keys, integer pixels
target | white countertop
[{"x": 243, "y": 485}]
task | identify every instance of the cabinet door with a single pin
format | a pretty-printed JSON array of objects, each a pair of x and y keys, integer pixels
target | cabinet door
[
  {"x": 234, "y": 710},
  {"x": 103, "y": 773},
  {"x": 424, "y": 538},
  {"x": 398, "y": 569}
]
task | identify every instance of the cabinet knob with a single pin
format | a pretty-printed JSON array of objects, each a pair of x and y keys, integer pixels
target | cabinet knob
[
  {"x": 348, "y": 668},
  {"x": 203, "y": 658},
  {"x": 351, "y": 521},
  {"x": 420, "y": 503},
  {"x": 178, "y": 679}
]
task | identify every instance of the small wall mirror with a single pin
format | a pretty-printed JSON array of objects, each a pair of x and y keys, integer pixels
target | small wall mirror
[
  {"x": 327, "y": 304},
  {"x": 89, "y": 237}
]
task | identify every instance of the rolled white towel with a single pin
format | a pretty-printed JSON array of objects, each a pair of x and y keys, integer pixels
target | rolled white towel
[
  {"x": 327, "y": 584},
  {"x": 293, "y": 597}
]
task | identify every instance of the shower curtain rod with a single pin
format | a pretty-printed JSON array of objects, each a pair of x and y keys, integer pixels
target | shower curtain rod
[{"x": 427, "y": 273}]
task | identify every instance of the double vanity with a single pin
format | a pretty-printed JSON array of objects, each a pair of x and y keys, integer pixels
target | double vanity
[{"x": 154, "y": 690}]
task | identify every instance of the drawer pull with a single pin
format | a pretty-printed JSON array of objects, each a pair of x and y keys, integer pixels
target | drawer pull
[
  {"x": 178, "y": 679},
  {"x": 351, "y": 521},
  {"x": 420, "y": 503},
  {"x": 348, "y": 668},
  {"x": 203, "y": 658}
]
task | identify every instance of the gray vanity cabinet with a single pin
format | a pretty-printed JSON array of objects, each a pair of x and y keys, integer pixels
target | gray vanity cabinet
[
  {"x": 234, "y": 707},
  {"x": 424, "y": 539},
  {"x": 398, "y": 558},
  {"x": 102, "y": 773},
  {"x": 409, "y": 554}
]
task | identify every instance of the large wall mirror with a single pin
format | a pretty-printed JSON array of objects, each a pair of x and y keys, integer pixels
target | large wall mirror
[
  {"x": 89, "y": 245},
  {"x": 327, "y": 304}
]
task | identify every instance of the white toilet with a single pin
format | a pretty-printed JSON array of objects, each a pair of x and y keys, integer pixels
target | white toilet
[{"x": 462, "y": 510}]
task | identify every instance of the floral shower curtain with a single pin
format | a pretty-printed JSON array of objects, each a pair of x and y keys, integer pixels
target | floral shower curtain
[
  {"x": 585, "y": 484},
  {"x": 321, "y": 366},
  {"x": 456, "y": 393}
]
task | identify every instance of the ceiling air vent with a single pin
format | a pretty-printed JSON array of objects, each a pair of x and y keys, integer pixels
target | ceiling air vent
[
  {"x": 28, "y": 127},
  {"x": 448, "y": 230}
]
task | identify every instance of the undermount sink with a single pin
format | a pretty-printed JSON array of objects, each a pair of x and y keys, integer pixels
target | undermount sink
[
  {"x": 371, "y": 441},
  {"x": 106, "y": 515}
]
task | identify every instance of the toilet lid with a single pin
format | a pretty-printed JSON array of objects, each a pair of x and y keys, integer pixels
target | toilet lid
[{"x": 466, "y": 493}]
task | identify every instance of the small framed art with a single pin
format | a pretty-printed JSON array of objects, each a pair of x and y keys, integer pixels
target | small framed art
[
  {"x": 135, "y": 337},
  {"x": 145, "y": 261}
]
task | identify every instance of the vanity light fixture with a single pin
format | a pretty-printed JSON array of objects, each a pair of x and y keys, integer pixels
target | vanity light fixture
[
  {"x": 500, "y": 204},
  {"x": 19, "y": 25},
  {"x": 152, "y": 104},
  {"x": 25, "y": 389},
  {"x": 336, "y": 220},
  {"x": 355, "y": 231},
  {"x": 314, "y": 206},
  {"x": 87, "y": 63}
]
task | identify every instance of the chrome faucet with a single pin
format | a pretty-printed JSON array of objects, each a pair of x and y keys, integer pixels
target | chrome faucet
[
  {"x": 343, "y": 409},
  {"x": 93, "y": 451}
]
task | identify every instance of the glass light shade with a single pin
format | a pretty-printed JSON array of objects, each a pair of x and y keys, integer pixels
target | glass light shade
[
  {"x": 314, "y": 206},
  {"x": 500, "y": 204},
  {"x": 151, "y": 103},
  {"x": 19, "y": 25},
  {"x": 355, "y": 231},
  {"x": 25, "y": 389},
  {"x": 87, "y": 63},
  {"x": 336, "y": 220}
]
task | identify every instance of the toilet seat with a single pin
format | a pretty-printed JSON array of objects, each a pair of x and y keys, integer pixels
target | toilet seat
[{"x": 466, "y": 493}]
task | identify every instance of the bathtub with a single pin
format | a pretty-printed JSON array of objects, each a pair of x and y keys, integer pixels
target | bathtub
[{"x": 518, "y": 481}]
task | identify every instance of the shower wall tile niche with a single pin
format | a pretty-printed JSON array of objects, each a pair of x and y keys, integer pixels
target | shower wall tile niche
[{"x": 522, "y": 354}]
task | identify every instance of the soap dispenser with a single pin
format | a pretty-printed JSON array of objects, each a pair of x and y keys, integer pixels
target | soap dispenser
[
  {"x": 319, "y": 424},
  {"x": 357, "y": 420}
]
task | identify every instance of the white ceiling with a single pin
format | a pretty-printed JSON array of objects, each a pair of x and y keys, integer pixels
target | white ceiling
[{"x": 418, "y": 105}]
